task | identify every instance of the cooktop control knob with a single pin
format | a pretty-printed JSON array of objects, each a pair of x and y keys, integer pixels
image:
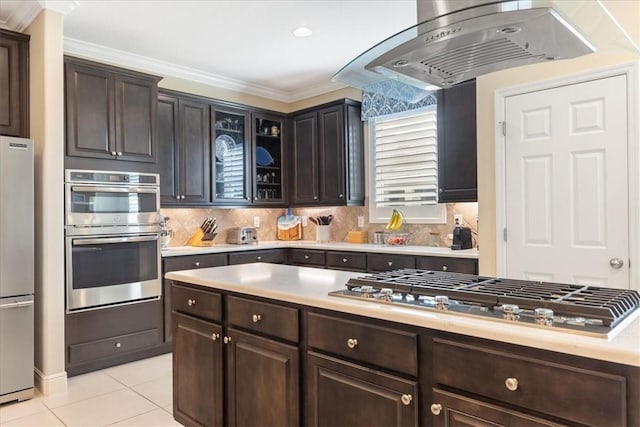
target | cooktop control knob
[
  {"x": 409, "y": 298},
  {"x": 366, "y": 289},
  {"x": 386, "y": 291},
  {"x": 543, "y": 316},
  {"x": 441, "y": 302},
  {"x": 510, "y": 311}
]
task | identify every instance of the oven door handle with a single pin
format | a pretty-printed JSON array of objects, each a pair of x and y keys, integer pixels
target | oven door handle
[
  {"x": 88, "y": 189},
  {"x": 102, "y": 240}
]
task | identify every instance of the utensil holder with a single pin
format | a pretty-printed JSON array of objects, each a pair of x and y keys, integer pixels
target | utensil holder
[
  {"x": 322, "y": 233},
  {"x": 200, "y": 238}
]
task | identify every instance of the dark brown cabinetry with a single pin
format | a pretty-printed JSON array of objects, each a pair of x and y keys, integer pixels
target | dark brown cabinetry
[
  {"x": 386, "y": 262},
  {"x": 14, "y": 84},
  {"x": 457, "y": 141},
  {"x": 110, "y": 112},
  {"x": 351, "y": 261},
  {"x": 261, "y": 384},
  {"x": 457, "y": 265},
  {"x": 309, "y": 257},
  {"x": 328, "y": 155},
  {"x": 269, "y": 171},
  {"x": 184, "y": 144},
  {"x": 97, "y": 339},
  {"x": 274, "y": 256}
]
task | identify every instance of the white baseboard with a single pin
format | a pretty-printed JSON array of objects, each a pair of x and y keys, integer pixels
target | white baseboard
[{"x": 50, "y": 384}]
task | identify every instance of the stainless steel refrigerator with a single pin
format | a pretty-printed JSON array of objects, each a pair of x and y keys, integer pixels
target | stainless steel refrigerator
[{"x": 16, "y": 268}]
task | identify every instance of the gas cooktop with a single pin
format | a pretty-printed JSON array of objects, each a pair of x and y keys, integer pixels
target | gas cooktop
[{"x": 581, "y": 309}]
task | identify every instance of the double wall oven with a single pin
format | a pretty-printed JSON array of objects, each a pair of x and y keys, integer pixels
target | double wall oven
[{"x": 112, "y": 238}]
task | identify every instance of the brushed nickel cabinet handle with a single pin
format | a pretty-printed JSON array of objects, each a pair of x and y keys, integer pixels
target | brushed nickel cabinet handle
[
  {"x": 227, "y": 340},
  {"x": 511, "y": 384},
  {"x": 256, "y": 318},
  {"x": 215, "y": 336},
  {"x": 406, "y": 399},
  {"x": 191, "y": 302},
  {"x": 352, "y": 343},
  {"x": 118, "y": 345},
  {"x": 197, "y": 263},
  {"x": 436, "y": 408}
]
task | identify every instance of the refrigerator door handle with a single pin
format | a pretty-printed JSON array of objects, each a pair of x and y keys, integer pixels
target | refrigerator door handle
[{"x": 18, "y": 304}]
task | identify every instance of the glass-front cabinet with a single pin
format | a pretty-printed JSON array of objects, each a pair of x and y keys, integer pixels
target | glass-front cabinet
[
  {"x": 231, "y": 154},
  {"x": 268, "y": 160}
]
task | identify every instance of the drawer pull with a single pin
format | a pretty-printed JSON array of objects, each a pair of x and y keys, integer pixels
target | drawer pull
[
  {"x": 406, "y": 399},
  {"x": 259, "y": 258},
  {"x": 344, "y": 260},
  {"x": 197, "y": 264},
  {"x": 352, "y": 343},
  {"x": 390, "y": 263},
  {"x": 445, "y": 268},
  {"x": 191, "y": 302},
  {"x": 511, "y": 384},
  {"x": 226, "y": 340},
  {"x": 215, "y": 336},
  {"x": 306, "y": 257},
  {"x": 118, "y": 345},
  {"x": 256, "y": 318},
  {"x": 436, "y": 408},
  {"x": 113, "y": 153}
]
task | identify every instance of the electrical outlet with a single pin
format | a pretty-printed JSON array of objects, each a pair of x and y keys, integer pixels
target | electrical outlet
[
  {"x": 304, "y": 221},
  {"x": 360, "y": 220},
  {"x": 458, "y": 220},
  {"x": 450, "y": 236},
  {"x": 256, "y": 221}
]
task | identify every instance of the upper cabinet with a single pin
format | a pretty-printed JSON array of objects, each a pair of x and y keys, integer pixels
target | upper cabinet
[
  {"x": 268, "y": 160},
  {"x": 110, "y": 112},
  {"x": 457, "y": 157},
  {"x": 184, "y": 146},
  {"x": 327, "y": 155},
  {"x": 231, "y": 136},
  {"x": 14, "y": 84}
]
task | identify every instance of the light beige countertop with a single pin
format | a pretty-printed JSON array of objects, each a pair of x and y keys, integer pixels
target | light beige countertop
[
  {"x": 331, "y": 246},
  {"x": 310, "y": 287}
]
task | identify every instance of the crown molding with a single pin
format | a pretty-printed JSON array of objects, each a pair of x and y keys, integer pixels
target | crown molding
[
  {"x": 20, "y": 15},
  {"x": 60, "y": 6},
  {"x": 154, "y": 66}
]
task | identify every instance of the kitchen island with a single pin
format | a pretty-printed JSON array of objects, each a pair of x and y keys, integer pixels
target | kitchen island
[{"x": 267, "y": 342}]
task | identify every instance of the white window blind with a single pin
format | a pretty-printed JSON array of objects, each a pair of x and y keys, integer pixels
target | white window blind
[{"x": 406, "y": 160}]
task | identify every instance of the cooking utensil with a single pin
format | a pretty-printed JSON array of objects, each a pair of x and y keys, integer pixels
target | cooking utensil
[{"x": 313, "y": 220}]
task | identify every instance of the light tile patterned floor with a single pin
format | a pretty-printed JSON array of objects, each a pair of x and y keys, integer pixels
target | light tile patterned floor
[{"x": 134, "y": 394}]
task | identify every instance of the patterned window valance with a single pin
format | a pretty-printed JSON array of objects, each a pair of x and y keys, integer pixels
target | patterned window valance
[{"x": 376, "y": 105}]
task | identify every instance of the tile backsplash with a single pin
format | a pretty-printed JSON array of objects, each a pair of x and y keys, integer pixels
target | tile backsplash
[{"x": 183, "y": 222}]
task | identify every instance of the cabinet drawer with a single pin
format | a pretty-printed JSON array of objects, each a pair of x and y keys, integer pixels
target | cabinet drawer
[
  {"x": 386, "y": 262},
  {"x": 354, "y": 261},
  {"x": 276, "y": 256},
  {"x": 196, "y": 302},
  {"x": 456, "y": 265},
  {"x": 113, "y": 346},
  {"x": 567, "y": 392},
  {"x": 194, "y": 261},
  {"x": 307, "y": 257},
  {"x": 389, "y": 348},
  {"x": 270, "y": 319}
]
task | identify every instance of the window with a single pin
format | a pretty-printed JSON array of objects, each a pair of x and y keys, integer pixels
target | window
[{"x": 403, "y": 167}]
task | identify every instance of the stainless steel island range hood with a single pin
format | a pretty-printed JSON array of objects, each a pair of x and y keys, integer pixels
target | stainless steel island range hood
[{"x": 457, "y": 40}]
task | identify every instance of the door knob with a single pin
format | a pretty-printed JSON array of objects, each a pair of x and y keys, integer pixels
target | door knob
[{"x": 616, "y": 263}]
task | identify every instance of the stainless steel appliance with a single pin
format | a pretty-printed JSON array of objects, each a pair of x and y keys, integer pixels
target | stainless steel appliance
[
  {"x": 112, "y": 238},
  {"x": 455, "y": 41},
  {"x": 242, "y": 235},
  {"x": 581, "y": 309},
  {"x": 16, "y": 269}
]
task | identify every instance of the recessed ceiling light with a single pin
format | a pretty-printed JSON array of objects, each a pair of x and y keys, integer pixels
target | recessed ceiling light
[{"x": 302, "y": 32}]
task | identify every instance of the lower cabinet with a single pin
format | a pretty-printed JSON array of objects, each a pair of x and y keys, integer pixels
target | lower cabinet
[
  {"x": 275, "y": 256},
  {"x": 340, "y": 393},
  {"x": 197, "y": 371},
  {"x": 262, "y": 381},
  {"x": 97, "y": 339}
]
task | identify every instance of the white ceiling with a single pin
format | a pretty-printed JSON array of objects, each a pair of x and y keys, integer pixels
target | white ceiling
[{"x": 242, "y": 45}]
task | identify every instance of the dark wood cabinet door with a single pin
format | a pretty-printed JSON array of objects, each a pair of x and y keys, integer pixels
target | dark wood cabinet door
[
  {"x": 197, "y": 372},
  {"x": 90, "y": 112},
  {"x": 453, "y": 265},
  {"x": 168, "y": 149},
  {"x": 273, "y": 256},
  {"x": 136, "y": 101},
  {"x": 354, "y": 147},
  {"x": 269, "y": 168},
  {"x": 345, "y": 394},
  {"x": 331, "y": 154},
  {"x": 14, "y": 84},
  {"x": 453, "y": 410},
  {"x": 457, "y": 141},
  {"x": 305, "y": 160},
  {"x": 195, "y": 160},
  {"x": 263, "y": 381}
]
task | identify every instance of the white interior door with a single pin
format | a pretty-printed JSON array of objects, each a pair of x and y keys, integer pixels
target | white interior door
[{"x": 566, "y": 172}]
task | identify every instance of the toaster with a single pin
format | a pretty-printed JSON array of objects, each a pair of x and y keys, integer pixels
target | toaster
[{"x": 242, "y": 235}]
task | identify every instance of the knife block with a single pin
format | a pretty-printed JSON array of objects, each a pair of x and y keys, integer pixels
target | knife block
[{"x": 200, "y": 238}]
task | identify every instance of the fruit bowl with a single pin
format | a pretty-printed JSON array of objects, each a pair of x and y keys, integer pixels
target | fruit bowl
[{"x": 397, "y": 239}]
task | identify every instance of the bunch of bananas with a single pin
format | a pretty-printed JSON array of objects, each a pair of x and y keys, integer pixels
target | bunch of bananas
[{"x": 395, "y": 221}]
